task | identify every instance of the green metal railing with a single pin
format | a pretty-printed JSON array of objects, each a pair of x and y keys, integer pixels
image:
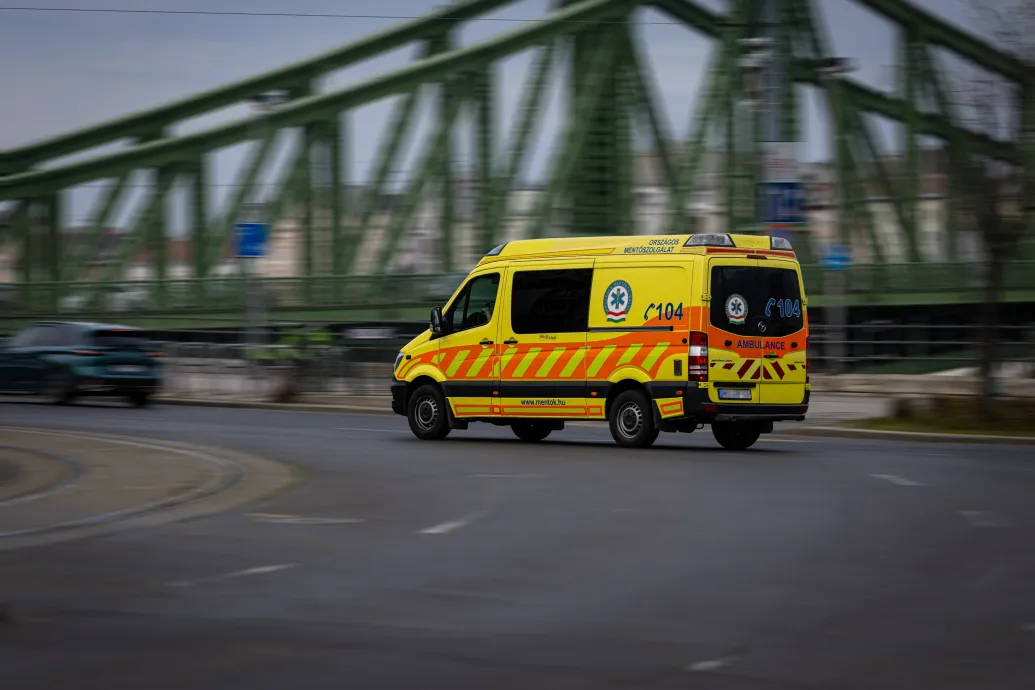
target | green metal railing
[
  {"x": 890, "y": 284},
  {"x": 590, "y": 180}
]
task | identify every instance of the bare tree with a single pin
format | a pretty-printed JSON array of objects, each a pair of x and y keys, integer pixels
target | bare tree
[{"x": 997, "y": 197}]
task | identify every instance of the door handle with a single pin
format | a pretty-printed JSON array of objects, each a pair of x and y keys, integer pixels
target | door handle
[
  {"x": 485, "y": 341},
  {"x": 510, "y": 341},
  {"x": 772, "y": 355}
]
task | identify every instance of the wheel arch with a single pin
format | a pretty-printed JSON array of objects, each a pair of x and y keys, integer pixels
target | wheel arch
[{"x": 627, "y": 384}]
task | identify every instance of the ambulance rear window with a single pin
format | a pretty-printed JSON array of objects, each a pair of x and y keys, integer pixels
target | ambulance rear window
[{"x": 756, "y": 301}]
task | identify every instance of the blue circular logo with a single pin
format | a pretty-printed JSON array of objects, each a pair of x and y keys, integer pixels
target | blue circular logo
[{"x": 618, "y": 300}]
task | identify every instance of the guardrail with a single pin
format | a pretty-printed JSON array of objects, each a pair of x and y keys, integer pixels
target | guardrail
[
  {"x": 885, "y": 284},
  {"x": 884, "y": 359}
]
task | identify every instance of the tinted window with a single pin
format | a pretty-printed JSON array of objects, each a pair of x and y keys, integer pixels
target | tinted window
[
  {"x": 30, "y": 337},
  {"x": 54, "y": 336},
  {"x": 756, "y": 301},
  {"x": 473, "y": 307},
  {"x": 120, "y": 339},
  {"x": 551, "y": 301}
]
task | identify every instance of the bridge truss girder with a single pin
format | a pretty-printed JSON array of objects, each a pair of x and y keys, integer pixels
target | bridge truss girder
[{"x": 590, "y": 190}]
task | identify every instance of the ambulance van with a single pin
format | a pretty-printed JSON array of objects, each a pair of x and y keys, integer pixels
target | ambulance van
[{"x": 650, "y": 333}]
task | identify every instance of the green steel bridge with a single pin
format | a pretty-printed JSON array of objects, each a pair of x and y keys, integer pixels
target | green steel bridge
[{"x": 343, "y": 248}]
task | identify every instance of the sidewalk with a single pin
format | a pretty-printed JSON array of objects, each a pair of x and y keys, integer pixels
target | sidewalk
[{"x": 58, "y": 485}]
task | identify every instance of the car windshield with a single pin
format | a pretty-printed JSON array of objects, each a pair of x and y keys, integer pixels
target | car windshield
[{"x": 755, "y": 301}]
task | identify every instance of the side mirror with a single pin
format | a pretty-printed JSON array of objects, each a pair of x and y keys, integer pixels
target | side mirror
[{"x": 436, "y": 321}]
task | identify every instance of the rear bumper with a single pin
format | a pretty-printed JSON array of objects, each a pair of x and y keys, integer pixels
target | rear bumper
[
  {"x": 696, "y": 403},
  {"x": 699, "y": 407},
  {"x": 115, "y": 385}
]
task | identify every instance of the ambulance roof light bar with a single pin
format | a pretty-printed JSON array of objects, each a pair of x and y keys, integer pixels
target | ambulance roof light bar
[
  {"x": 709, "y": 240},
  {"x": 495, "y": 251},
  {"x": 781, "y": 243}
]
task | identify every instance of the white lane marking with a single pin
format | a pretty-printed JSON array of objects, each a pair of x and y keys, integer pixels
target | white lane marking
[
  {"x": 509, "y": 476},
  {"x": 895, "y": 479},
  {"x": 986, "y": 518},
  {"x": 453, "y": 524},
  {"x": 309, "y": 520},
  {"x": 709, "y": 665},
  {"x": 260, "y": 570}
]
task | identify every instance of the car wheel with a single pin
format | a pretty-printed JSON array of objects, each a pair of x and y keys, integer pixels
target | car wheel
[
  {"x": 139, "y": 398},
  {"x": 426, "y": 413},
  {"x": 58, "y": 387},
  {"x": 631, "y": 420},
  {"x": 735, "y": 435},
  {"x": 532, "y": 432}
]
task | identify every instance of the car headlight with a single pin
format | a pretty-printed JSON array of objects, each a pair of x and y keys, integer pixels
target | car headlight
[{"x": 398, "y": 358}]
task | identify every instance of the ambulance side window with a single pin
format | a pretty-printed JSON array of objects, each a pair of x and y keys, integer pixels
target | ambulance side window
[
  {"x": 551, "y": 301},
  {"x": 473, "y": 307}
]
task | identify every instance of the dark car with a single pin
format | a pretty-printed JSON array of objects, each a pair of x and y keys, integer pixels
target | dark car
[{"x": 64, "y": 361}]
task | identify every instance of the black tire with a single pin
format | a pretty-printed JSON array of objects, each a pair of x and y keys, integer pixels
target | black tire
[
  {"x": 532, "y": 432},
  {"x": 58, "y": 387},
  {"x": 426, "y": 413},
  {"x": 139, "y": 398},
  {"x": 632, "y": 420},
  {"x": 735, "y": 435}
]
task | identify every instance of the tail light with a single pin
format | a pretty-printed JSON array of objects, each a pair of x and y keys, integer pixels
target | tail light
[
  {"x": 697, "y": 363},
  {"x": 157, "y": 354},
  {"x": 86, "y": 353}
]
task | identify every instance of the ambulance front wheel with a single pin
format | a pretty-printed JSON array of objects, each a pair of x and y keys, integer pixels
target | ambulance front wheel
[
  {"x": 632, "y": 421},
  {"x": 735, "y": 435},
  {"x": 426, "y": 413}
]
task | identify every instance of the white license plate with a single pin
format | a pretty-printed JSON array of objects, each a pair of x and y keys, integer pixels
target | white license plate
[
  {"x": 127, "y": 368},
  {"x": 734, "y": 394}
]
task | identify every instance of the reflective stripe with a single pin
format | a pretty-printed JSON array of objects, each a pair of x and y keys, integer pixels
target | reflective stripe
[
  {"x": 479, "y": 361},
  {"x": 522, "y": 366},
  {"x": 599, "y": 360},
  {"x": 457, "y": 361},
  {"x": 551, "y": 360},
  {"x": 653, "y": 356},
  {"x": 573, "y": 363},
  {"x": 630, "y": 352}
]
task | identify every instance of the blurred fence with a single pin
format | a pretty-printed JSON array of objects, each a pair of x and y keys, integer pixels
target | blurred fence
[{"x": 357, "y": 361}]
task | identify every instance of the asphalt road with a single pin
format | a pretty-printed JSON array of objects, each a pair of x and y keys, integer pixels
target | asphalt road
[{"x": 482, "y": 562}]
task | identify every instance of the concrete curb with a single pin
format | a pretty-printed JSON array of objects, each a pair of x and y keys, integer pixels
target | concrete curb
[
  {"x": 824, "y": 431},
  {"x": 918, "y": 436},
  {"x": 282, "y": 407}
]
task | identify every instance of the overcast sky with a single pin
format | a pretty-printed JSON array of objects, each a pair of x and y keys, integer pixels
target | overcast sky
[{"x": 64, "y": 70}]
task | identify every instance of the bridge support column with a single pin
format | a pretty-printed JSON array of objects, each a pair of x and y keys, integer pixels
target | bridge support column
[{"x": 596, "y": 196}]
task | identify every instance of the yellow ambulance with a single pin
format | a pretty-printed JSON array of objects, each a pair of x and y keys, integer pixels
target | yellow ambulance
[{"x": 650, "y": 333}]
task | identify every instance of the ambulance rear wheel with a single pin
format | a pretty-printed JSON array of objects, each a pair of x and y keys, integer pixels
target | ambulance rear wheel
[
  {"x": 735, "y": 435},
  {"x": 631, "y": 420},
  {"x": 532, "y": 432},
  {"x": 426, "y": 413}
]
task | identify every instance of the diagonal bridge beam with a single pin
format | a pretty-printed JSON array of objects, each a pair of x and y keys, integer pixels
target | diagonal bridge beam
[{"x": 305, "y": 111}]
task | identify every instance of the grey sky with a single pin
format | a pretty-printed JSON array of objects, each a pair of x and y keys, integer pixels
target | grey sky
[{"x": 61, "y": 71}]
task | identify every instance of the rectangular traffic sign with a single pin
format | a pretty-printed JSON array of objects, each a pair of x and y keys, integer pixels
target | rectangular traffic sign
[
  {"x": 783, "y": 203},
  {"x": 837, "y": 257},
  {"x": 251, "y": 239}
]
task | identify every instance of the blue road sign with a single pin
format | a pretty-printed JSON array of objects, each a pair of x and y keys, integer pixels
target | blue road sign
[
  {"x": 251, "y": 239},
  {"x": 783, "y": 203},
  {"x": 838, "y": 257}
]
